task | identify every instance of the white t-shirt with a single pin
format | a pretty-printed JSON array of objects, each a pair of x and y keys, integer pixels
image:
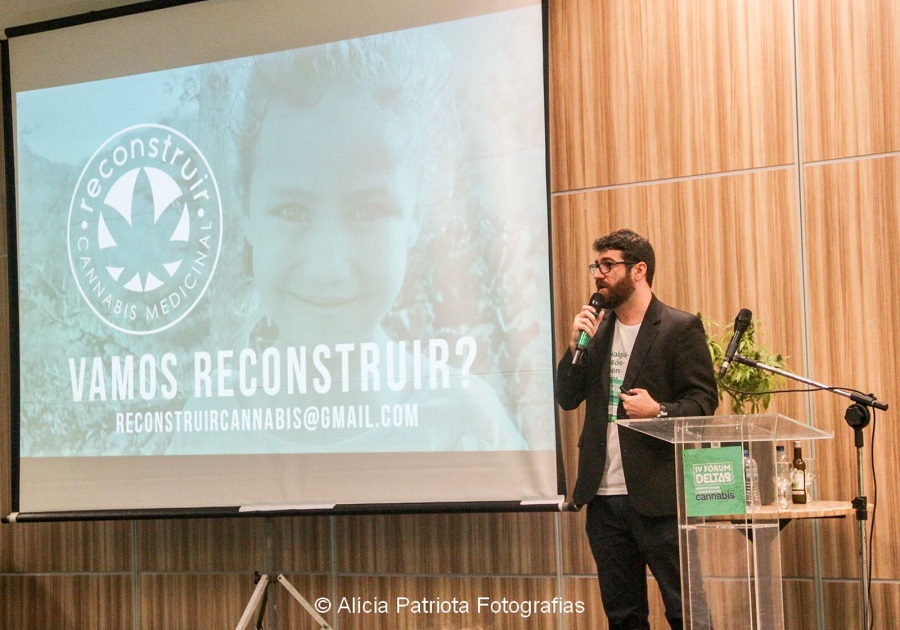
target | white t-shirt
[{"x": 613, "y": 481}]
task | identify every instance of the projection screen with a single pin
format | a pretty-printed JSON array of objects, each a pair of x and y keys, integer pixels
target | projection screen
[{"x": 276, "y": 256}]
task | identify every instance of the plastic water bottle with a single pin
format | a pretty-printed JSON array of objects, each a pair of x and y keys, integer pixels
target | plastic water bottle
[
  {"x": 751, "y": 481},
  {"x": 782, "y": 478}
]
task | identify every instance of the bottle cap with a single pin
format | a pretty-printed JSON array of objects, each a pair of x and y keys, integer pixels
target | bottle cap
[
  {"x": 779, "y": 447},
  {"x": 796, "y": 443}
]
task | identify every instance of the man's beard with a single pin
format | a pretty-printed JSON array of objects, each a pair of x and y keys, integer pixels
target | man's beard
[{"x": 617, "y": 294}]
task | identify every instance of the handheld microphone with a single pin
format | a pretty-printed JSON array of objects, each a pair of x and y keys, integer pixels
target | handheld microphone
[
  {"x": 741, "y": 323},
  {"x": 583, "y": 337}
]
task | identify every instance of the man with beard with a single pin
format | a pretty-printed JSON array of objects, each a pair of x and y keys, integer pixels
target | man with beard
[{"x": 644, "y": 360}]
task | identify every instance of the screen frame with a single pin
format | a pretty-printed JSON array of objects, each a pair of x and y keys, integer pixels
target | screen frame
[{"x": 235, "y": 510}]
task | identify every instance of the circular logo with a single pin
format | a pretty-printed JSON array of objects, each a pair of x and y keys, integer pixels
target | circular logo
[{"x": 145, "y": 229}]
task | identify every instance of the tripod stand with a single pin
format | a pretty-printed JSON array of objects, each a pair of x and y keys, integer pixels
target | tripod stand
[
  {"x": 857, "y": 416},
  {"x": 260, "y": 598}
]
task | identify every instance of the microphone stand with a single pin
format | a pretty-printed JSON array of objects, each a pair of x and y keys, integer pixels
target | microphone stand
[{"x": 857, "y": 416}]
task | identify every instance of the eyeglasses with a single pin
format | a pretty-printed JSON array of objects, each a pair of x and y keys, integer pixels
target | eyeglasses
[{"x": 605, "y": 266}]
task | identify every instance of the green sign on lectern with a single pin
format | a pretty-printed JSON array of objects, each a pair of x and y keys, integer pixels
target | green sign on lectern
[{"x": 714, "y": 481}]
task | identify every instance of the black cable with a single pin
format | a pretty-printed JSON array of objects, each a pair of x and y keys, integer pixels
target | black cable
[
  {"x": 732, "y": 390},
  {"x": 871, "y": 542},
  {"x": 805, "y": 390},
  {"x": 872, "y": 525}
]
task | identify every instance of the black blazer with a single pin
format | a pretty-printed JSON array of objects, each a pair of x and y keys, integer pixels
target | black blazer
[{"x": 670, "y": 359}]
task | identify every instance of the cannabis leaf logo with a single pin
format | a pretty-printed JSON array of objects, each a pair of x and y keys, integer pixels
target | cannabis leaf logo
[{"x": 143, "y": 233}]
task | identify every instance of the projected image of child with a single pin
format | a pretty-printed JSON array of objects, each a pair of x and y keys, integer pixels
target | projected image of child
[{"x": 345, "y": 151}]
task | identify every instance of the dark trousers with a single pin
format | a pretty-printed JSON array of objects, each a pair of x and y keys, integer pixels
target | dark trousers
[{"x": 624, "y": 543}]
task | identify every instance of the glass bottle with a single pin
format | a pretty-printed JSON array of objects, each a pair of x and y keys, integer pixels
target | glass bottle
[{"x": 798, "y": 475}]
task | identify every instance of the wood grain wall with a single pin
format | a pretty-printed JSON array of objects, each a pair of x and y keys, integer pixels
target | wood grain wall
[{"x": 757, "y": 144}]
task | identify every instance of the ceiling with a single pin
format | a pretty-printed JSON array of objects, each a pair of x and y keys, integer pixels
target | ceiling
[{"x": 19, "y": 12}]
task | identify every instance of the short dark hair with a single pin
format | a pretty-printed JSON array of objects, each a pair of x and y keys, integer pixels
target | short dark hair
[{"x": 633, "y": 246}]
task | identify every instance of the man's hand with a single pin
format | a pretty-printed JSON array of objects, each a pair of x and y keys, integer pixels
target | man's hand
[
  {"x": 638, "y": 404},
  {"x": 585, "y": 321}
]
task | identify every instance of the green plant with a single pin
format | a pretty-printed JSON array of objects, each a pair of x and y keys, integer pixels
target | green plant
[{"x": 748, "y": 387}]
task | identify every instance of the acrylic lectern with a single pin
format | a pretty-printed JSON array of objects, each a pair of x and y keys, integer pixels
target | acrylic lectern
[{"x": 730, "y": 549}]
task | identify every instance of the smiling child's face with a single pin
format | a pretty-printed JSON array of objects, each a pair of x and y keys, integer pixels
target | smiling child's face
[{"x": 332, "y": 215}]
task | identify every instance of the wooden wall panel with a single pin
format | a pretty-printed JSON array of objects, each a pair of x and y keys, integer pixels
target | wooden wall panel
[
  {"x": 653, "y": 89},
  {"x": 585, "y": 590},
  {"x": 799, "y": 604},
  {"x": 178, "y": 601},
  {"x": 849, "y": 53},
  {"x": 225, "y": 544},
  {"x": 283, "y": 611},
  {"x": 576, "y": 552},
  {"x": 443, "y": 543},
  {"x": 886, "y": 604},
  {"x": 842, "y": 603},
  {"x": 797, "y": 552},
  {"x": 467, "y": 592},
  {"x": 302, "y": 544},
  {"x": 64, "y": 547},
  {"x": 72, "y": 602},
  {"x": 853, "y": 222}
]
